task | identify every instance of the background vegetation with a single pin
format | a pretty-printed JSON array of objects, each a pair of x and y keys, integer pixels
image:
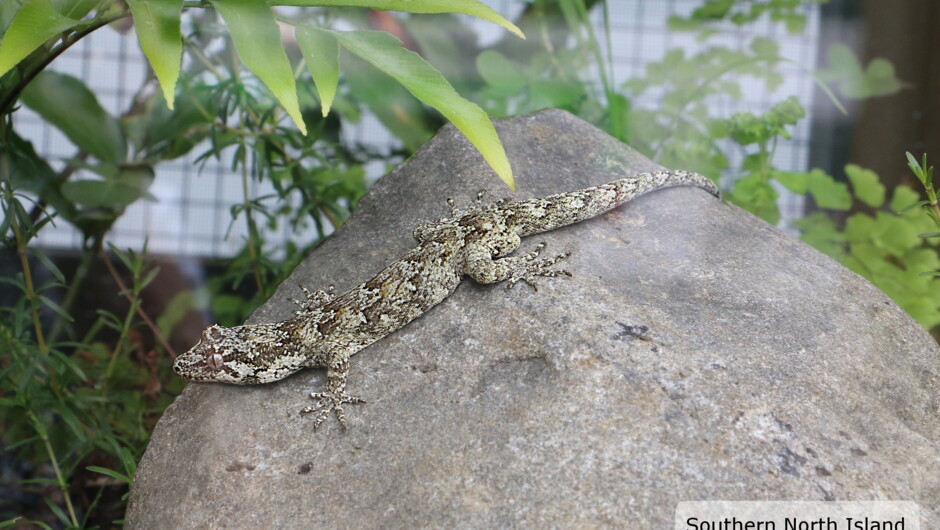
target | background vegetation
[{"x": 79, "y": 398}]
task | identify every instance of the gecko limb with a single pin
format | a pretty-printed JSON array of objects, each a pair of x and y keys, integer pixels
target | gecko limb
[
  {"x": 484, "y": 269},
  {"x": 313, "y": 299},
  {"x": 335, "y": 396}
]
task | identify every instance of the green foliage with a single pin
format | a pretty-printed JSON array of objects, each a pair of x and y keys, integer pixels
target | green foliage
[
  {"x": 68, "y": 104},
  {"x": 681, "y": 132},
  {"x": 856, "y": 82},
  {"x": 256, "y": 37},
  {"x": 36, "y": 22},
  {"x": 157, "y": 23},
  {"x": 65, "y": 403},
  {"x": 387, "y": 54},
  {"x": 892, "y": 251},
  {"x": 258, "y": 40},
  {"x": 789, "y": 12}
]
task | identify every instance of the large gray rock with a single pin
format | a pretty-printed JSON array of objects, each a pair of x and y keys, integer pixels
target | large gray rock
[{"x": 697, "y": 353}]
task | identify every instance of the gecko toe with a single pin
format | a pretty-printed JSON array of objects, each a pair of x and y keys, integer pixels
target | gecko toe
[{"x": 330, "y": 402}]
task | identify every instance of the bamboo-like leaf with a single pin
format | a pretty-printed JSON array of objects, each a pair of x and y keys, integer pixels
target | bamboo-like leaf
[
  {"x": 67, "y": 103},
  {"x": 258, "y": 41},
  {"x": 321, "y": 51},
  {"x": 111, "y": 473},
  {"x": 158, "y": 30},
  {"x": 50, "y": 266},
  {"x": 36, "y": 22},
  {"x": 76, "y": 9},
  {"x": 463, "y": 7},
  {"x": 386, "y": 53},
  {"x": 912, "y": 206}
]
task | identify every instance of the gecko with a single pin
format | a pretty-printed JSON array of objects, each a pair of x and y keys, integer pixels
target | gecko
[{"x": 328, "y": 329}]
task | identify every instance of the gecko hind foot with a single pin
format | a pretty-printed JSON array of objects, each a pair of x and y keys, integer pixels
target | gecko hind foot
[
  {"x": 330, "y": 402},
  {"x": 527, "y": 268}
]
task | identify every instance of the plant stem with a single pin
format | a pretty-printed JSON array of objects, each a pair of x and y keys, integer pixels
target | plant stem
[
  {"x": 31, "y": 295},
  {"x": 252, "y": 226},
  {"x": 78, "y": 280},
  {"x": 249, "y": 218},
  {"x": 140, "y": 311},
  {"x": 63, "y": 486}
]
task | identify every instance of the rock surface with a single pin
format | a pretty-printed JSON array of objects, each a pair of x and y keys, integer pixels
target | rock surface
[{"x": 697, "y": 353}]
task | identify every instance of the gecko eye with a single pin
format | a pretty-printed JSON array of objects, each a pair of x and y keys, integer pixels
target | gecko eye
[
  {"x": 213, "y": 333},
  {"x": 214, "y": 361}
]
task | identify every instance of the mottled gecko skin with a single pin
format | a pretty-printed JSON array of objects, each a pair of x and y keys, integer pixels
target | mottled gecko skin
[{"x": 328, "y": 330}]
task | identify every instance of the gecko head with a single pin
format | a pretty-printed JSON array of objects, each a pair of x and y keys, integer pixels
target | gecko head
[{"x": 242, "y": 355}]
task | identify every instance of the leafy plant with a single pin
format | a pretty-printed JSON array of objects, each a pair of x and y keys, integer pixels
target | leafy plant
[
  {"x": 891, "y": 250},
  {"x": 256, "y": 37}
]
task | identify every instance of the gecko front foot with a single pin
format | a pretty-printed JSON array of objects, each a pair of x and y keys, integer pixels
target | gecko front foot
[
  {"x": 526, "y": 269},
  {"x": 314, "y": 299},
  {"x": 330, "y": 401}
]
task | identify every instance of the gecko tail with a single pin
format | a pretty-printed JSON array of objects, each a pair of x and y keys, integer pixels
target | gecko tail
[{"x": 554, "y": 211}]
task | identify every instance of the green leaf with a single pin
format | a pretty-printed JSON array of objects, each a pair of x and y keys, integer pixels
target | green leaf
[
  {"x": 130, "y": 184},
  {"x": 820, "y": 231},
  {"x": 50, "y": 266},
  {"x": 827, "y": 192},
  {"x": 67, "y": 103},
  {"x": 111, "y": 473},
  {"x": 465, "y": 7},
  {"x": 146, "y": 280},
  {"x": 868, "y": 187},
  {"x": 321, "y": 51},
  {"x": 386, "y": 53},
  {"x": 795, "y": 182},
  {"x": 880, "y": 79},
  {"x": 500, "y": 73},
  {"x": 68, "y": 362},
  {"x": 58, "y": 511},
  {"x": 555, "y": 93},
  {"x": 859, "y": 226},
  {"x": 765, "y": 46},
  {"x": 910, "y": 207},
  {"x": 257, "y": 39},
  {"x": 867, "y": 259},
  {"x": 905, "y": 196},
  {"x": 7, "y": 13},
  {"x": 30, "y": 172},
  {"x": 76, "y": 9},
  {"x": 36, "y": 22},
  {"x": 921, "y": 259},
  {"x": 48, "y": 302},
  {"x": 894, "y": 234},
  {"x": 130, "y": 465},
  {"x": 923, "y": 310},
  {"x": 877, "y": 79},
  {"x": 158, "y": 30},
  {"x": 758, "y": 197},
  {"x": 923, "y": 172},
  {"x": 795, "y": 24}
]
